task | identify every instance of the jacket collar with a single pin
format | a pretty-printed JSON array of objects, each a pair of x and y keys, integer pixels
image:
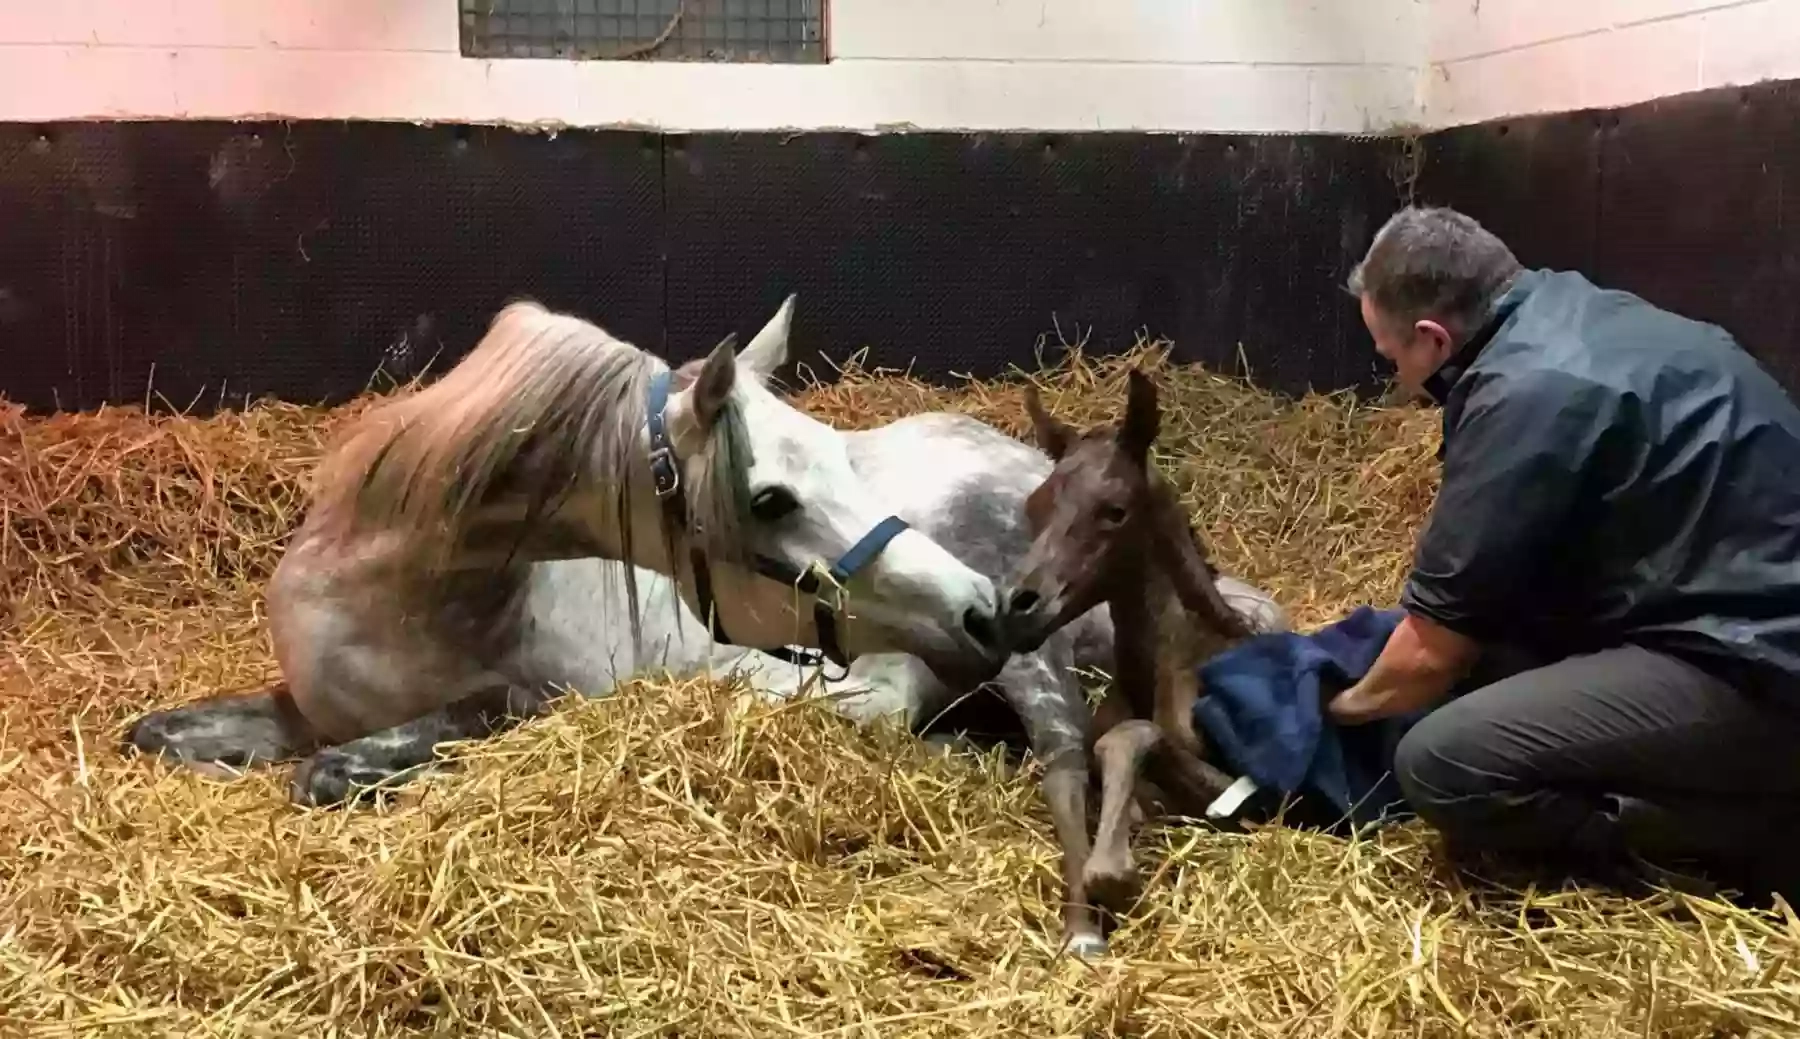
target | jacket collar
[{"x": 1439, "y": 384}]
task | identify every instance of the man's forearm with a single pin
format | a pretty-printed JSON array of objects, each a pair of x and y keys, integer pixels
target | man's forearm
[{"x": 1418, "y": 666}]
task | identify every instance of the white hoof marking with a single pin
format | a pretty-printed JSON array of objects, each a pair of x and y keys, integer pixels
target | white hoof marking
[{"x": 1087, "y": 946}]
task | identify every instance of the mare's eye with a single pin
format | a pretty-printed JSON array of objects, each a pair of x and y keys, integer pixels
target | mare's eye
[
  {"x": 773, "y": 503},
  {"x": 1112, "y": 515}
]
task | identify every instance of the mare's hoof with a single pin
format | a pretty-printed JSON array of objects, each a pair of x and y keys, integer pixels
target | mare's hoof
[
  {"x": 329, "y": 780},
  {"x": 148, "y": 734},
  {"x": 185, "y": 737},
  {"x": 1086, "y": 946},
  {"x": 333, "y": 778}
]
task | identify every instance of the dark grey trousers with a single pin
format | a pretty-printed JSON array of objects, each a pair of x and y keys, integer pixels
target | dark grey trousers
[{"x": 1609, "y": 757}]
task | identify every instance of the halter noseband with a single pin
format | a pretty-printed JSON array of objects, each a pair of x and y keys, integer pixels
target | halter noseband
[{"x": 665, "y": 472}]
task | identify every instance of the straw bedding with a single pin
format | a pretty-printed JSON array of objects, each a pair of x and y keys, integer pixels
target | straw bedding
[{"x": 680, "y": 860}]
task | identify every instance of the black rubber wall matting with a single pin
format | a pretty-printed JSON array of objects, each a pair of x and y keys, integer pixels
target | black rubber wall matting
[
  {"x": 214, "y": 261},
  {"x": 205, "y": 262},
  {"x": 961, "y": 251},
  {"x": 1534, "y": 182},
  {"x": 1688, "y": 201}
]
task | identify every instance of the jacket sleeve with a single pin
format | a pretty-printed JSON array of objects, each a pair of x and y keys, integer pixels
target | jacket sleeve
[{"x": 1515, "y": 468}]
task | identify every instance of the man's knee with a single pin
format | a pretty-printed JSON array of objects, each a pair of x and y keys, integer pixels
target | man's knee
[
  {"x": 1468, "y": 771},
  {"x": 1436, "y": 766}
]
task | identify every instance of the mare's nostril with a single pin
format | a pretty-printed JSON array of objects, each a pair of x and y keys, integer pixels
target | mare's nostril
[
  {"x": 980, "y": 626},
  {"x": 1023, "y": 601}
]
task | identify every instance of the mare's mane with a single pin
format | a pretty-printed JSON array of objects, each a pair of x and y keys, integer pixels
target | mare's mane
[{"x": 547, "y": 405}]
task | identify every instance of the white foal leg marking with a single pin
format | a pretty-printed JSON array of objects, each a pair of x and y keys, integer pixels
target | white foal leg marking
[{"x": 1086, "y": 946}]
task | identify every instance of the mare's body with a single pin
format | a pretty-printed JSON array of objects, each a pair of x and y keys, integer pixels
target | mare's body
[{"x": 450, "y": 575}]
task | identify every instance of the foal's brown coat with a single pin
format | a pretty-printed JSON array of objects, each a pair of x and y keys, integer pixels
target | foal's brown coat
[{"x": 1107, "y": 526}]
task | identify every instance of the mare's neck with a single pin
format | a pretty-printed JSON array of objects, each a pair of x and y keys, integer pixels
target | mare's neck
[{"x": 588, "y": 524}]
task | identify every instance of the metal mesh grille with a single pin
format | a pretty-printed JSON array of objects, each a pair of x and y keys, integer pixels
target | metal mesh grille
[{"x": 790, "y": 31}]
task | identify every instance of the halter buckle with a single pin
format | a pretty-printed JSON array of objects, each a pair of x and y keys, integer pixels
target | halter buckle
[{"x": 664, "y": 473}]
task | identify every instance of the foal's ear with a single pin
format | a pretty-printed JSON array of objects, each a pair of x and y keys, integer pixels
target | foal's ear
[
  {"x": 1143, "y": 418},
  {"x": 1053, "y": 435},
  {"x": 769, "y": 350},
  {"x": 717, "y": 378}
]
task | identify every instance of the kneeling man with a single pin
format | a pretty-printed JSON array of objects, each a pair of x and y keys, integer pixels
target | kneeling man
[{"x": 1606, "y": 597}]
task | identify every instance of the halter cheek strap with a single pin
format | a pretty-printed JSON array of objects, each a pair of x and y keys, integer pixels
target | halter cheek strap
[{"x": 665, "y": 473}]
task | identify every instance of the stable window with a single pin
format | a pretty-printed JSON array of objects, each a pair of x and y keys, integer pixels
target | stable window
[{"x": 787, "y": 31}]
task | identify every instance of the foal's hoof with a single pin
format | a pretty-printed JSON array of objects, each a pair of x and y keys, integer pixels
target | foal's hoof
[
  {"x": 332, "y": 777},
  {"x": 1086, "y": 946},
  {"x": 1115, "y": 890}
]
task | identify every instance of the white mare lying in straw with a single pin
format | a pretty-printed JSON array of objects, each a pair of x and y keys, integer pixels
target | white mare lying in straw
[{"x": 476, "y": 548}]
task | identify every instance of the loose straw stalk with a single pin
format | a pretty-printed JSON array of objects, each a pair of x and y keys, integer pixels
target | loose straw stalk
[{"x": 682, "y": 859}]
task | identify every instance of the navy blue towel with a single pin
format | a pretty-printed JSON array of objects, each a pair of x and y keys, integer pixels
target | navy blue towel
[{"x": 1263, "y": 713}]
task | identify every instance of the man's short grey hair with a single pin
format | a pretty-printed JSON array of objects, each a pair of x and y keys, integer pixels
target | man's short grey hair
[{"x": 1434, "y": 263}]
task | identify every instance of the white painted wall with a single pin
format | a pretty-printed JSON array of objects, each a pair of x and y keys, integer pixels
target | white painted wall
[
  {"x": 1493, "y": 58},
  {"x": 1167, "y": 65},
  {"x": 1173, "y": 65}
]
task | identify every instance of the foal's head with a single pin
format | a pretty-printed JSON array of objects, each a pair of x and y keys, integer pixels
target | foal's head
[{"x": 1100, "y": 522}]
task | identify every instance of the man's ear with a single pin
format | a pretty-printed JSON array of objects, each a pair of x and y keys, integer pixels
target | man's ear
[
  {"x": 1443, "y": 342},
  {"x": 1143, "y": 418},
  {"x": 717, "y": 378},
  {"x": 1053, "y": 435}
]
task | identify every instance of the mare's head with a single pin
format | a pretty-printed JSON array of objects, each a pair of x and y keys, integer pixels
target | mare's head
[
  {"x": 553, "y": 439},
  {"x": 1101, "y": 519},
  {"x": 779, "y": 496}
]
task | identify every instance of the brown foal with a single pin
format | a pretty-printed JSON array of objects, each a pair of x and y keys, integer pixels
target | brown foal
[{"x": 1107, "y": 527}]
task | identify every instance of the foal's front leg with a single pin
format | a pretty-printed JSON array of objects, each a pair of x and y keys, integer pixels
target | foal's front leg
[
  {"x": 1177, "y": 780},
  {"x": 1110, "y": 878},
  {"x": 407, "y": 751}
]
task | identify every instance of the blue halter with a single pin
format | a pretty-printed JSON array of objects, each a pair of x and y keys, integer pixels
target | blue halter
[{"x": 665, "y": 473}]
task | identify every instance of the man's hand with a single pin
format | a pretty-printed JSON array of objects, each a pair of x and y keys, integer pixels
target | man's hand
[{"x": 1420, "y": 663}]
